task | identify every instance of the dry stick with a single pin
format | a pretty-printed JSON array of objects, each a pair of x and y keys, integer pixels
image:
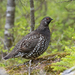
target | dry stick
[{"x": 29, "y": 66}]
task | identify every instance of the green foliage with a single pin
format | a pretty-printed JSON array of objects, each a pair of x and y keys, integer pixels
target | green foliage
[{"x": 67, "y": 61}]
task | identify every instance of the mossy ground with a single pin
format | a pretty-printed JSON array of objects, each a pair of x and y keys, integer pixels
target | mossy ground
[{"x": 41, "y": 65}]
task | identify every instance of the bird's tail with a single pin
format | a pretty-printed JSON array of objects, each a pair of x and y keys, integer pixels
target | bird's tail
[
  {"x": 11, "y": 55},
  {"x": 7, "y": 56}
]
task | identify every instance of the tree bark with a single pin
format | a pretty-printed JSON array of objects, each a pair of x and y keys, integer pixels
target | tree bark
[
  {"x": 1, "y": 0},
  {"x": 8, "y": 34},
  {"x": 32, "y": 15}
]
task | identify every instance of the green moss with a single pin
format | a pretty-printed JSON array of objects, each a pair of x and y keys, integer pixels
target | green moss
[{"x": 48, "y": 68}]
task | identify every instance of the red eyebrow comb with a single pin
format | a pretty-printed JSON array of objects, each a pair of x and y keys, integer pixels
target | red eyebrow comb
[{"x": 47, "y": 18}]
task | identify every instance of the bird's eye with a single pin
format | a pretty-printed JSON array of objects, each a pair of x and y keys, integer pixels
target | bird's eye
[{"x": 47, "y": 18}]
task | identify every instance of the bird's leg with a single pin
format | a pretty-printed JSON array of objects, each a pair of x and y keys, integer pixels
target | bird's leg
[{"x": 30, "y": 66}]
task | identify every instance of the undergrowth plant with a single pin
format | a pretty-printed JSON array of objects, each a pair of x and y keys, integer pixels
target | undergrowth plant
[{"x": 67, "y": 61}]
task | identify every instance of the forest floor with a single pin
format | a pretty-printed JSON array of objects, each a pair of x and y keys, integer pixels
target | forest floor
[{"x": 39, "y": 66}]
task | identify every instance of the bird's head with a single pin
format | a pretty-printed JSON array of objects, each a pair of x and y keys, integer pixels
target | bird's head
[{"x": 46, "y": 20}]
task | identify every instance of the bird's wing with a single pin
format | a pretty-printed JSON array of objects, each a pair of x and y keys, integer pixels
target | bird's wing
[{"x": 27, "y": 43}]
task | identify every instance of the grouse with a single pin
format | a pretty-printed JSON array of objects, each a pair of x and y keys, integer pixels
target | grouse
[{"x": 33, "y": 44}]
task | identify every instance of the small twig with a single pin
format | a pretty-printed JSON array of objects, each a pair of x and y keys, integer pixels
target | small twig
[{"x": 29, "y": 67}]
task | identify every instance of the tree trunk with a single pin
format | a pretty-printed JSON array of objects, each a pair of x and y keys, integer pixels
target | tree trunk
[
  {"x": 32, "y": 15},
  {"x": 45, "y": 4},
  {"x": 8, "y": 34}
]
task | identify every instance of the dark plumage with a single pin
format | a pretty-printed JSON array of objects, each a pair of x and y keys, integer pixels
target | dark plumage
[{"x": 33, "y": 44}]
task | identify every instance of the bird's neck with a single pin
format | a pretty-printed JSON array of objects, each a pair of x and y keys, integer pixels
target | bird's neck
[
  {"x": 43, "y": 30},
  {"x": 41, "y": 27}
]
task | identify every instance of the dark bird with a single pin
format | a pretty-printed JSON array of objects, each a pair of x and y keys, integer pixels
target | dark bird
[{"x": 33, "y": 44}]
